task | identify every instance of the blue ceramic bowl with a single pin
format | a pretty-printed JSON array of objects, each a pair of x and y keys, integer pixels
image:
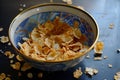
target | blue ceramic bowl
[{"x": 24, "y": 23}]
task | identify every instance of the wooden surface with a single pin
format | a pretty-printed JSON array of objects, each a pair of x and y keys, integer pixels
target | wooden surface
[{"x": 105, "y": 12}]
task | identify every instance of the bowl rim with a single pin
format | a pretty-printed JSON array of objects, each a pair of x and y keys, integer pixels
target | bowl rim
[{"x": 60, "y": 4}]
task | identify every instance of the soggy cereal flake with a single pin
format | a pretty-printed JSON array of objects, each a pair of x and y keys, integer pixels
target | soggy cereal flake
[
  {"x": 76, "y": 33},
  {"x": 1, "y": 29},
  {"x": 16, "y": 66},
  {"x": 30, "y": 75},
  {"x": 25, "y": 67},
  {"x": 77, "y": 73},
  {"x": 4, "y": 39}
]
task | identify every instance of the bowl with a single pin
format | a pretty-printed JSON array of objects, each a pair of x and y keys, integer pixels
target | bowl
[{"x": 25, "y": 22}]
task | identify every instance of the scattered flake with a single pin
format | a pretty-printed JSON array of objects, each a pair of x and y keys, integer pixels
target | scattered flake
[
  {"x": 9, "y": 54},
  {"x": 118, "y": 50},
  {"x": 2, "y": 76},
  {"x": 24, "y": 5},
  {"x": 97, "y": 58},
  {"x": 98, "y": 48},
  {"x": 11, "y": 61},
  {"x": 9, "y": 43},
  {"x": 1, "y": 29},
  {"x": 16, "y": 66},
  {"x": 30, "y": 75},
  {"x": 77, "y": 73},
  {"x": 20, "y": 9},
  {"x": 88, "y": 56},
  {"x": 80, "y": 7},
  {"x": 7, "y": 78},
  {"x": 110, "y": 65},
  {"x": 111, "y": 26},
  {"x": 19, "y": 58},
  {"x": 40, "y": 75},
  {"x": 117, "y": 76},
  {"x": 26, "y": 66},
  {"x": 90, "y": 71},
  {"x": 4, "y": 39},
  {"x": 105, "y": 57}
]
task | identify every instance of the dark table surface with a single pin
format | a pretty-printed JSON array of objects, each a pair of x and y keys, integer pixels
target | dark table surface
[{"x": 105, "y": 12}]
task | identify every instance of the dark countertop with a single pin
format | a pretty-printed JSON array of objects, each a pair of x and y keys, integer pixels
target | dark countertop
[{"x": 105, "y": 12}]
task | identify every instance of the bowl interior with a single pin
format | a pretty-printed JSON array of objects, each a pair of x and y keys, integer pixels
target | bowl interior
[{"x": 24, "y": 23}]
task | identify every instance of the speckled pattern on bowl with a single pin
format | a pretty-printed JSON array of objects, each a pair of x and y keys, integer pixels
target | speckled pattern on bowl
[{"x": 24, "y": 23}]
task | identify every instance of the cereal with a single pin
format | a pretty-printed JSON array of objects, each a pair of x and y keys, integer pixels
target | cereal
[
  {"x": 54, "y": 41},
  {"x": 30, "y": 75},
  {"x": 117, "y": 76},
  {"x": 1, "y": 29},
  {"x": 2, "y": 76},
  {"x": 7, "y": 78},
  {"x": 77, "y": 73},
  {"x": 16, "y": 66},
  {"x": 19, "y": 58},
  {"x": 111, "y": 26},
  {"x": 90, "y": 71},
  {"x": 4, "y": 39},
  {"x": 110, "y": 65},
  {"x": 26, "y": 66},
  {"x": 40, "y": 75},
  {"x": 9, "y": 54}
]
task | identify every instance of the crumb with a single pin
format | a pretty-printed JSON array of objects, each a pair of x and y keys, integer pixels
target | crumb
[
  {"x": 16, "y": 66},
  {"x": 110, "y": 65},
  {"x": 9, "y": 54},
  {"x": 20, "y": 9},
  {"x": 19, "y": 58},
  {"x": 11, "y": 61},
  {"x": 7, "y": 78},
  {"x": 90, "y": 71},
  {"x": 30, "y": 75},
  {"x": 4, "y": 39},
  {"x": 9, "y": 43},
  {"x": 77, "y": 73},
  {"x": 97, "y": 58},
  {"x": 40, "y": 75},
  {"x": 24, "y": 5},
  {"x": 88, "y": 56},
  {"x": 117, "y": 76},
  {"x": 105, "y": 57},
  {"x": 26, "y": 66},
  {"x": 111, "y": 26},
  {"x": 1, "y": 29},
  {"x": 2, "y": 76}
]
